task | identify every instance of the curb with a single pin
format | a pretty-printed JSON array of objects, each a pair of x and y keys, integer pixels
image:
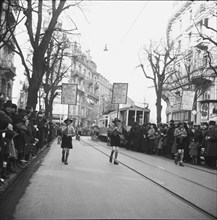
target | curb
[{"x": 13, "y": 176}]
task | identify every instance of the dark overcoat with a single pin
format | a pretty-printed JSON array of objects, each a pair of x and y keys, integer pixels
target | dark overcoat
[{"x": 211, "y": 148}]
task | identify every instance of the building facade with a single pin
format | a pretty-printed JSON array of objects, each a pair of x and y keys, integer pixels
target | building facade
[
  {"x": 7, "y": 68},
  {"x": 194, "y": 69},
  {"x": 94, "y": 91}
]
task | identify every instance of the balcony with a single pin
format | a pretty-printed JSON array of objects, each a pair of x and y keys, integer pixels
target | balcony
[
  {"x": 81, "y": 89},
  {"x": 96, "y": 86},
  {"x": 95, "y": 96},
  {"x": 8, "y": 67},
  {"x": 89, "y": 82},
  {"x": 78, "y": 74}
]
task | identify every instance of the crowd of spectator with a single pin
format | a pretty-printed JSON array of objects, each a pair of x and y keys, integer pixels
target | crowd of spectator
[
  {"x": 200, "y": 142},
  {"x": 23, "y": 133}
]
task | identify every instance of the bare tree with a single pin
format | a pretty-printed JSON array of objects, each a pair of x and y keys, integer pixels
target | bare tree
[
  {"x": 56, "y": 70},
  {"x": 207, "y": 31},
  {"x": 158, "y": 56},
  {"x": 189, "y": 72},
  {"x": 34, "y": 13}
]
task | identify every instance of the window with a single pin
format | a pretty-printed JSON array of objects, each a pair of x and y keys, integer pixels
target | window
[
  {"x": 139, "y": 117},
  {"x": 189, "y": 40},
  {"x": 179, "y": 46},
  {"x": 206, "y": 22},
  {"x": 206, "y": 95},
  {"x": 180, "y": 24},
  {"x": 131, "y": 118},
  {"x": 190, "y": 15},
  {"x": 188, "y": 65},
  {"x": 205, "y": 60},
  {"x": 200, "y": 24}
]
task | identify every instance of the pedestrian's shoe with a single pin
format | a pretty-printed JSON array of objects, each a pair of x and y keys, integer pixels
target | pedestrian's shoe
[
  {"x": 63, "y": 159},
  {"x": 176, "y": 160},
  {"x": 66, "y": 163},
  {"x": 110, "y": 159},
  {"x": 115, "y": 162},
  {"x": 181, "y": 164},
  {"x": 2, "y": 181}
]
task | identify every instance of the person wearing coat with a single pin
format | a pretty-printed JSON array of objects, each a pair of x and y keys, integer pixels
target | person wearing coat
[
  {"x": 198, "y": 138},
  {"x": 169, "y": 140},
  {"x": 211, "y": 148},
  {"x": 5, "y": 121}
]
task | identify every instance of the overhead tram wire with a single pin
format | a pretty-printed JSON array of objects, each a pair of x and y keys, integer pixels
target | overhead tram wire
[{"x": 121, "y": 41}]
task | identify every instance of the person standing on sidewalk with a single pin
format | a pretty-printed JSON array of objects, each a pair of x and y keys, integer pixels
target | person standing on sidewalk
[
  {"x": 211, "y": 149},
  {"x": 116, "y": 131},
  {"x": 68, "y": 132}
]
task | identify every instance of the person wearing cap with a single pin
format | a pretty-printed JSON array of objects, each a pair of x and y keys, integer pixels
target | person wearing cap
[
  {"x": 68, "y": 132},
  {"x": 211, "y": 148},
  {"x": 115, "y": 133}
]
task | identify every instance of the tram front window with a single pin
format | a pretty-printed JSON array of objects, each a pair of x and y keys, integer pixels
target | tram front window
[
  {"x": 131, "y": 118},
  {"x": 139, "y": 115}
]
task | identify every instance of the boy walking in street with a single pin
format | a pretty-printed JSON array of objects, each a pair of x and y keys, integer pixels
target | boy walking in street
[{"x": 115, "y": 143}]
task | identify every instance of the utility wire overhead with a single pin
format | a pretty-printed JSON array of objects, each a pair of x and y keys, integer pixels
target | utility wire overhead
[{"x": 121, "y": 41}]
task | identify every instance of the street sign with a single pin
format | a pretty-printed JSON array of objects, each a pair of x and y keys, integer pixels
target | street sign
[
  {"x": 119, "y": 93},
  {"x": 187, "y": 100},
  {"x": 69, "y": 94}
]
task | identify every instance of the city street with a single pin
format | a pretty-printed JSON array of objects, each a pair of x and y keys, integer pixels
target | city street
[{"x": 89, "y": 187}]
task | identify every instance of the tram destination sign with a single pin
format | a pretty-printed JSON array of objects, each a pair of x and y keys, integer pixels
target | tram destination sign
[
  {"x": 69, "y": 94},
  {"x": 119, "y": 93}
]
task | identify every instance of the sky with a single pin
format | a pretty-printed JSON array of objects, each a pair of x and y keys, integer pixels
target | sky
[{"x": 125, "y": 27}]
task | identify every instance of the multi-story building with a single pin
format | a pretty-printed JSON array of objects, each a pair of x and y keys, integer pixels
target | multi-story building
[
  {"x": 94, "y": 91},
  {"x": 7, "y": 68},
  {"x": 192, "y": 70}
]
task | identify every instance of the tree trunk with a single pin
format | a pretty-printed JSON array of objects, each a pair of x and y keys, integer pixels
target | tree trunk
[
  {"x": 35, "y": 80},
  {"x": 159, "y": 106},
  {"x": 49, "y": 106},
  {"x": 32, "y": 95}
]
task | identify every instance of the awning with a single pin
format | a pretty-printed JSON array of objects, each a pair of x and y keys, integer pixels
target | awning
[{"x": 208, "y": 101}]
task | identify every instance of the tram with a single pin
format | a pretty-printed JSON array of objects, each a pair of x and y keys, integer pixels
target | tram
[{"x": 127, "y": 115}]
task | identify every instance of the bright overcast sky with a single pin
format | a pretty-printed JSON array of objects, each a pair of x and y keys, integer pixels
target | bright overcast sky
[{"x": 125, "y": 26}]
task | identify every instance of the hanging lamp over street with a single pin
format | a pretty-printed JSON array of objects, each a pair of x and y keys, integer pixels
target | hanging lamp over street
[{"x": 106, "y": 49}]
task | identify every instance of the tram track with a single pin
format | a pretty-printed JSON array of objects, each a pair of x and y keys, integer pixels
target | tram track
[{"x": 193, "y": 205}]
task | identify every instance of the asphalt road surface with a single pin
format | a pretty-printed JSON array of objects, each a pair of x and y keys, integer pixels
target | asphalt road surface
[{"x": 90, "y": 187}]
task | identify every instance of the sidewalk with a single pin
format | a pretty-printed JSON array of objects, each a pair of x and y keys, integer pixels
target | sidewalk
[{"x": 13, "y": 176}]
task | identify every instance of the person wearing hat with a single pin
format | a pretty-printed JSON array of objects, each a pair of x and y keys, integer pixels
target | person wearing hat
[
  {"x": 211, "y": 145},
  {"x": 180, "y": 134},
  {"x": 115, "y": 133},
  {"x": 68, "y": 132}
]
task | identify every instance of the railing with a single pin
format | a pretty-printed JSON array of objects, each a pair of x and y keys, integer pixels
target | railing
[
  {"x": 96, "y": 96},
  {"x": 7, "y": 64},
  {"x": 90, "y": 82},
  {"x": 78, "y": 74},
  {"x": 96, "y": 86}
]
